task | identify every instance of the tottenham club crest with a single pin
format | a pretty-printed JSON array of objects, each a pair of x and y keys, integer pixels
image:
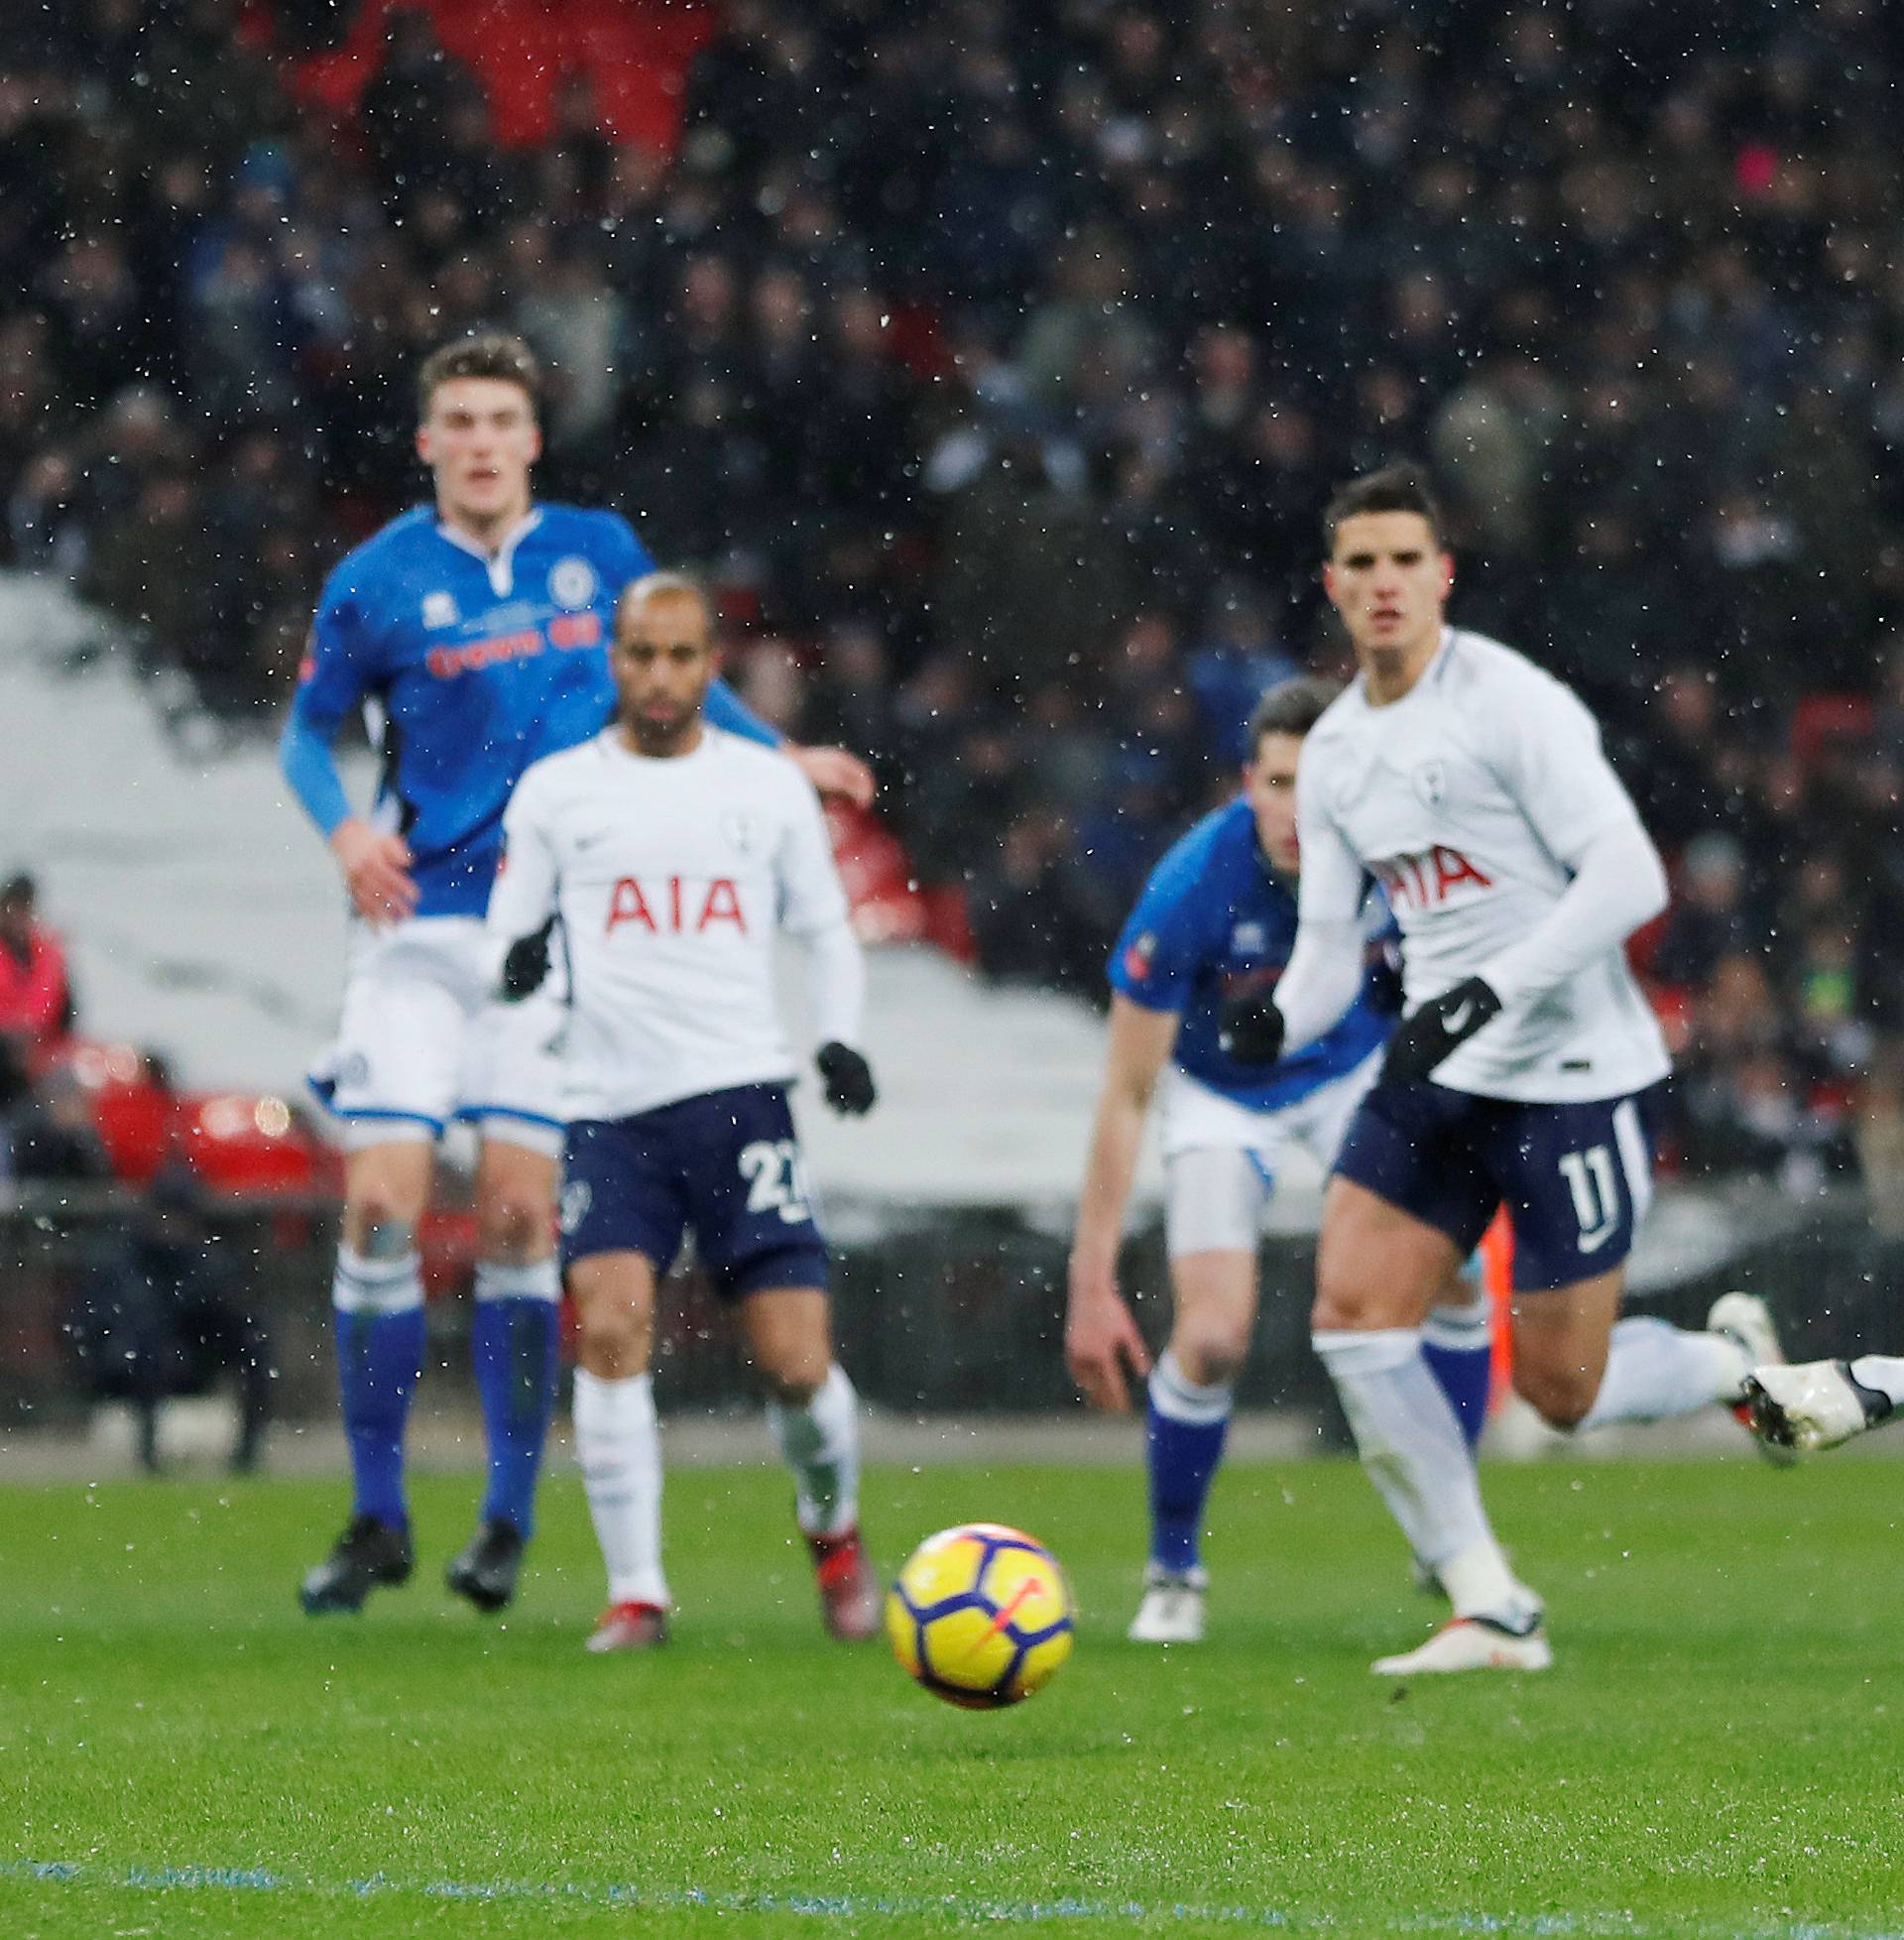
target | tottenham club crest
[
  {"x": 571, "y": 583},
  {"x": 741, "y": 829},
  {"x": 577, "y": 1196},
  {"x": 1431, "y": 782}
]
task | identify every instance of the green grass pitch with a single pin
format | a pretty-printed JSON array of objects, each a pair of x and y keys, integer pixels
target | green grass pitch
[{"x": 1720, "y": 1749}]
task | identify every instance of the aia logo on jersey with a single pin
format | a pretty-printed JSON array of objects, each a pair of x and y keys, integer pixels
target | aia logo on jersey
[
  {"x": 571, "y": 583},
  {"x": 439, "y": 610},
  {"x": 1427, "y": 881},
  {"x": 676, "y": 907}
]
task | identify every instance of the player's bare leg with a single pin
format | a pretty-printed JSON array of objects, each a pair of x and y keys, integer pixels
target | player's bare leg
[
  {"x": 814, "y": 1411},
  {"x": 513, "y": 1343},
  {"x": 1579, "y": 1366},
  {"x": 1378, "y": 1270},
  {"x": 1214, "y": 1291},
  {"x": 378, "y": 1299},
  {"x": 618, "y": 1443}
]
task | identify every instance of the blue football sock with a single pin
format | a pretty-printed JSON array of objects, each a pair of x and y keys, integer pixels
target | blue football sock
[
  {"x": 1183, "y": 1443},
  {"x": 515, "y": 1345},
  {"x": 380, "y": 1358},
  {"x": 1458, "y": 1345}
]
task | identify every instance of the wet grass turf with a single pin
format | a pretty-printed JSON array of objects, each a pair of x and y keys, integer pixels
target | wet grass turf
[{"x": 1719, "y": 1750}]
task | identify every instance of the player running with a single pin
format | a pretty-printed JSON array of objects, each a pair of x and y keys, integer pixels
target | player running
[
  {"x": 473, "y": 631},
  {"x": 669, "y": 850},
  {"x": 1474, "y": 786},
  {"x": 1216, "y": 922}
]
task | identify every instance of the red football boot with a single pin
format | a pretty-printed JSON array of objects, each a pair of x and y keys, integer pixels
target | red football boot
[
  {"x": 628, "y": 1626},
  {"x": 849, "y": 1591}
]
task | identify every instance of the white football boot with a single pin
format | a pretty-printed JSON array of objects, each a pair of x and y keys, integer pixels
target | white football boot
[
  {"x": 1746, "y": 1322},
  {"x": 1173, "y": 1607},
  {"x": 1814, "y": 1404},
  {"x": 1473, "y": 1644}
]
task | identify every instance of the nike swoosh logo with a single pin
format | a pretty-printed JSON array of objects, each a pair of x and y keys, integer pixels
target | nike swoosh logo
[
  {"x": 1457, "y": 1019},
  {"x": 1594, "y": 1241},
  {"x": 589, "y": 841}
]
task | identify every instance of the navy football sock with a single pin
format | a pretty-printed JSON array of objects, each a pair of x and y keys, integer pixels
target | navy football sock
[
  {"x": 1185, "y": 1427},
  {"x": 514, "y": 1342},
  {"x": 380, "y": 1358},
  {"x": 1458, "y": 1345}
]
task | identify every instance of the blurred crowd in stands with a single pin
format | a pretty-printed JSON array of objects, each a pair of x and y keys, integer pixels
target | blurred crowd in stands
[{"x": 994, "y": 357}]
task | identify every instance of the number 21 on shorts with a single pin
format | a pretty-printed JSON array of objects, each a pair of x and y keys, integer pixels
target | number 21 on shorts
[{"x": 777, "y": 1180}]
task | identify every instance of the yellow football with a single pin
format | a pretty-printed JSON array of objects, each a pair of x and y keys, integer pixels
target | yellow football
[{"x": 981, "y": 1615}]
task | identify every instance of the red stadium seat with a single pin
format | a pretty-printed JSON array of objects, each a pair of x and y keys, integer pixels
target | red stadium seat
[
  {"x": 137, "y": 1120},
  {"x": 635, "y": 53},
  {"x": 878, "y": 878},
  {"x": 1820, "y": 719},
  {"x": 247, "y": 1143}
]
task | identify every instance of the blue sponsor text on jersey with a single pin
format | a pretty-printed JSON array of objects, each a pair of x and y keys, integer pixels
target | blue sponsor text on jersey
[{"x": 1214, "y": 920}]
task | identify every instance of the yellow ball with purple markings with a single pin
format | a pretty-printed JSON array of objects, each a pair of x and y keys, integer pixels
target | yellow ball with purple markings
[{"x": 981, "y": 1616}]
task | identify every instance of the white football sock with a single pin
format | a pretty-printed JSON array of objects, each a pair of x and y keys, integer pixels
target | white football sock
[
  {"x": 1883, "y": 1372},
  {"x": 1177, "y": 1398},
  {"x": 1461, "y": 1326},
  {"x": 1655, "y": 1371},
  {"x": 1411, "y": 1445},
  {"x": 618, "y": 1447},
  {"x": 538, "y": 1280},
  {"x": 821, "y": 1443}
]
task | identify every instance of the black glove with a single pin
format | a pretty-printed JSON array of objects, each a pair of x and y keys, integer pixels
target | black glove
[
  {"x": 1250, "y": 1029},
  {"x": 526, "y": 965},
  {"x": 1438, "y": 1027},
  {"x": 849, "y": 1079}
]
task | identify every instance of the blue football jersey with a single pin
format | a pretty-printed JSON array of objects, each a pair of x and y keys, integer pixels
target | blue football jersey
[
  {"x": 1214, "y": 920},
  {"x": 480, "y": 665}
]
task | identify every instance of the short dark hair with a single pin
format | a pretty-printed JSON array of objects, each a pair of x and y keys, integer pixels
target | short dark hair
[
  {"x": 1395, "y": 488},
  {"x": 19, "y": 888},
  {"x": 1291, "y": 707},
  {"x": 489, "y": 353}
]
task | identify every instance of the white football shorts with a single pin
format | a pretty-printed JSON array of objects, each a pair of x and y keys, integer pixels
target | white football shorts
[
  {"x": 421, "y": 1041},
  {"x": 1219, "y": 1157}
]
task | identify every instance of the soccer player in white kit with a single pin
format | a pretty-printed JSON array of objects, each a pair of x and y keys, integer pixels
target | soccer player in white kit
[
  {"x": 666, "y": 852},
  {"x": 1472, "y": 785}
]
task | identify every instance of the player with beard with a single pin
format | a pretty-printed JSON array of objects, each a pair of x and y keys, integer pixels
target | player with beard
[{"x": 668, "y": 851}]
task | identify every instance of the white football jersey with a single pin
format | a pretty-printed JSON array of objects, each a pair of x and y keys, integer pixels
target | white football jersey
[
  {"x": 670, "y": 876},
  {"x": 1471, "y": 800}
]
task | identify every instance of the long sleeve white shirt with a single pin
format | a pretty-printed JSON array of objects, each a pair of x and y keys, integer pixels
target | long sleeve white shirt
[{"x": 670, "y": 876}]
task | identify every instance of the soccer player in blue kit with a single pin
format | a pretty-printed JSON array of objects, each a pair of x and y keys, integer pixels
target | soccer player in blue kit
[
  {"x": 1212, "y": 929},
  {"x": 474, "y": 632}
]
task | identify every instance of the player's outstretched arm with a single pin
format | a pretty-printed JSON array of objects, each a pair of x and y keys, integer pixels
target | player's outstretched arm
[
  {"x": 832, "y": 770},
  {"x": 835, "y": 772},
  {"x": 1550, "y": 758},
  {"x": 1618, "y": 883},
  {"x": 1102, "y": 1344},
  {"x": 374, "y": 862}
]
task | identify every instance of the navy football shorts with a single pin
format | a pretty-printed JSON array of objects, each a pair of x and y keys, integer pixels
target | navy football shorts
[
  {"x": 1575, "y": 1178},
  {"x": 724, "y": 1165}
]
